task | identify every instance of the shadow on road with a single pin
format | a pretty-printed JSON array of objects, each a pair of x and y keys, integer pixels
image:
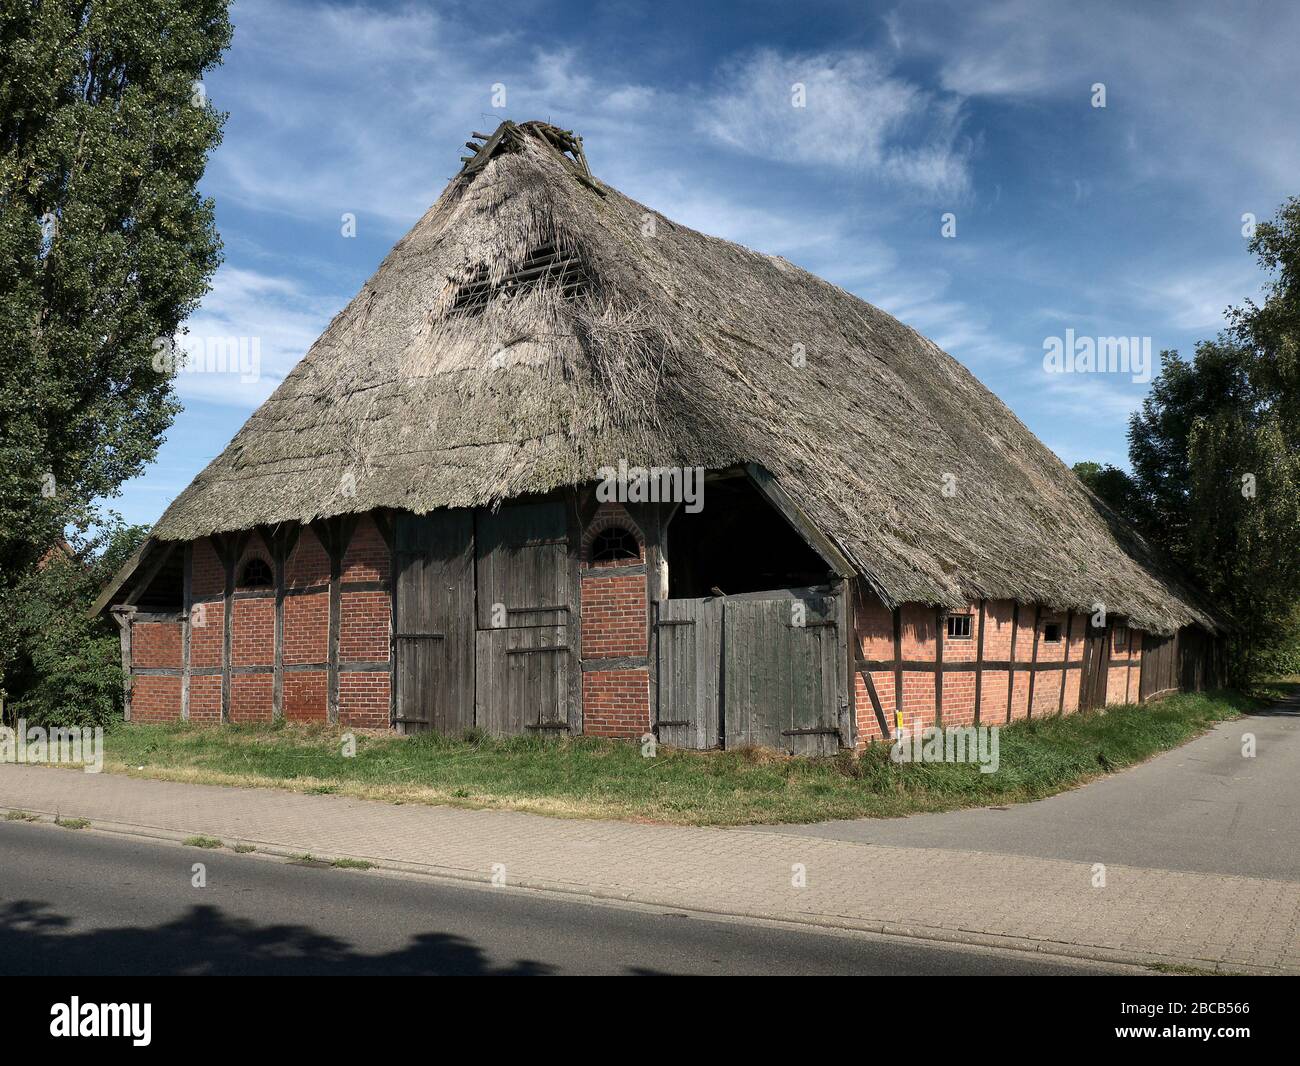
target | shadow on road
[{"x": 35, "y": 940}]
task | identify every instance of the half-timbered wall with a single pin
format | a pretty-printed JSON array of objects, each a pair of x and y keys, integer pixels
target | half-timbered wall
[{"x": 1006, "y": 670}]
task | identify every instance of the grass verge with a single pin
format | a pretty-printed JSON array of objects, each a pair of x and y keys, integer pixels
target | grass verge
[{"x": 587, "y": 777}]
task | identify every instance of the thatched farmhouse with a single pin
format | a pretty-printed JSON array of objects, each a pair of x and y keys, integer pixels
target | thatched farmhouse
[{"x": 565, "y": 466}]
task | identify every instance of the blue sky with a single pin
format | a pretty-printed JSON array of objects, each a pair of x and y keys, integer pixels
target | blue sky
[{"x": 1117, "y": 221}]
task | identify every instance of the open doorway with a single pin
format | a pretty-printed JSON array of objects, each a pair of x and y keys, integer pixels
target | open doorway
[{"x": 737, "y": 543}]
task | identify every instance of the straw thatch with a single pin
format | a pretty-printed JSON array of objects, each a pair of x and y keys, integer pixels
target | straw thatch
[{"x": 450, "y": 382}]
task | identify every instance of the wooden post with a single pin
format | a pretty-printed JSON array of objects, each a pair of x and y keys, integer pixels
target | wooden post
[
  {"x": 281, "y": 543},
  {"x": 1065, "y": 663},
  {"x": 1011, "y": 659},
  {"x": 123, "y": 617},
  {"x": 848, "y": 649},
  {"x": 939, "y": 624},
  {"x": 979, "y": 662},
  {"x": 335, "y": 534},
  {"x": 228, "y": 561},
  {"x": 1128, "y": 669},
  {"x": 187, "y": 601},
  {"x": 1033, "y": 660},
  {"x": 898, "y": 667}
]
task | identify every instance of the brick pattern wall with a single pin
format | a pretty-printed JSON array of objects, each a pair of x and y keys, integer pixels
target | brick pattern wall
[
  {"x": 308, "y": 564},
  {"x": 616, "y": 703},
  {"x": 614, "y": 620},
  {"x": 209, "y": 576},
  {"x": 205, "y": 698},
  {"x": 156, "y": 644},
  {"x": 306, "y": 628},
  {"x": 367, "y": 556},
  {"x": 155, "y": 698},
  {"x": 252, "y": 632},
  {"x": 613, "y": 616},
  {"x": 363, "y": 699},
  {"x": 251, "y": 697},
  {"x": 305, "y": 695},
  {"x": 364, "y": 627},
  {"x": 874, "y": 625}
]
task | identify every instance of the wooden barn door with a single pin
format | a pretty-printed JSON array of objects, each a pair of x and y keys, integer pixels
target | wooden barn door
[
  {"x": 761, "y": 669},
  {"x": 780, "y": 674},
  {"x": 433, "y": 635},
  {"x": 525, "y": 652},
  {"x": 690, "y": 672},
  {"x": 1159, "y": 665},
  {"x": 1096, "y": 667}
]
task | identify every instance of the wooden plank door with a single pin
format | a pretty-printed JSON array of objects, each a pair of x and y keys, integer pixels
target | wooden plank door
[
  {"x": 1096, "y": 667},
  {"x": 524, "y": 643},
  {"x": 781, "y": 677},
  {"x": 689, "y": 672},
  {"x": 433, "y": 633}
]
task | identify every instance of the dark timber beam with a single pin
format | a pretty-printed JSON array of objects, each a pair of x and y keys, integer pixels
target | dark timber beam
[
  {"x": 1065, "y": 674},
  {"x": 940, "y": 624},
  {"x": 187, "y": 602},
  {"x": 1033, "y": 660},
  {"x": 1011, "y": 666},
  {"x": 898, "y": 667},
  {"x": 979, "y": 662}
]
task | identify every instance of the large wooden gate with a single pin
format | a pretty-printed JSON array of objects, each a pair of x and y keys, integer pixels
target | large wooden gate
[
  {"x": 762, "y": 669},
  {"x": 433, "y": 640},
  {"x": 525, "y": 652}
]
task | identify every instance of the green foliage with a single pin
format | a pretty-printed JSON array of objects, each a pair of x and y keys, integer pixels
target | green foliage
[
  {"x": 67, "y": 669},
  {"x": 105, "y": 247},
  {"x": 1215, "y": 452},
  {"x": 1113, "y": 486}
]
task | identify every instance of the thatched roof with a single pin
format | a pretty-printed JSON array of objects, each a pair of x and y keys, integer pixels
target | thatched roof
[{"x": 455, "y": 378}]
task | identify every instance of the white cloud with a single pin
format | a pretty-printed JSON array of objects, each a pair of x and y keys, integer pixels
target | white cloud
[
  {"x": 856, "y": 113},
  {"x": 250, "y": 321}
]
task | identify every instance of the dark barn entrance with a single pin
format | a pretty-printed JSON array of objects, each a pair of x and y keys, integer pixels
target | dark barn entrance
[{"x": 751, "y": 641}]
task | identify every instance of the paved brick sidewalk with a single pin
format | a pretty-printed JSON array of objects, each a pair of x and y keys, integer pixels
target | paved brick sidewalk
[{"x": 976, "y": 897}]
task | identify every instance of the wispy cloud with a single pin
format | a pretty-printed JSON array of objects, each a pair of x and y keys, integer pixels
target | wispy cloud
[{"x": 840, "y": 109}]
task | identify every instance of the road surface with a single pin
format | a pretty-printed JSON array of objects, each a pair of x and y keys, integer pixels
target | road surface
[{"x": 88, "y": 903}]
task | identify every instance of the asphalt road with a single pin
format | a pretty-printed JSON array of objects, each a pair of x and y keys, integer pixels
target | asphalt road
[
  {"x": 86, "y": 903},
  {"x": 1201, "y": 807}
]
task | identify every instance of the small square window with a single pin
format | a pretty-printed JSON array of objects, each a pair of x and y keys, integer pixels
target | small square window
[
  {"x": 959, "y": 627},
  {"x": 1052, "y": 633},
  {"x": 1121, "y": 638}
]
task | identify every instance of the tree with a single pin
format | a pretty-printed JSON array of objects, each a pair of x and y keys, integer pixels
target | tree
[
  {"x": 68, "y": 670},
  {"x": 1114, "y": 487},
  {"x": 106, "y": 246},
  {"x": 1215, "y": 454}
]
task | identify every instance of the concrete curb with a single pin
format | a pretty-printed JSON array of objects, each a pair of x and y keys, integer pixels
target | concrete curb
[{"x": 936, "y": 934}]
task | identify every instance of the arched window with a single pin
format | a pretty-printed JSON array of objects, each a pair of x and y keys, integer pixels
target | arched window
[
  {"x": 614, "y": 543},
  {"x": 256, "y": 574}
]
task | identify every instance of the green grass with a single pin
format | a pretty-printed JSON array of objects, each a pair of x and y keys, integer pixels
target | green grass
[
  {"x": 21, "y": 816},
  {"x": 242, "y": 849},
  {"x": 591, "y": 777},
  {"x": 202, "y": 842},
  {"x": 352, "y": 864},
  {"x": 72, "y": 823}
]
